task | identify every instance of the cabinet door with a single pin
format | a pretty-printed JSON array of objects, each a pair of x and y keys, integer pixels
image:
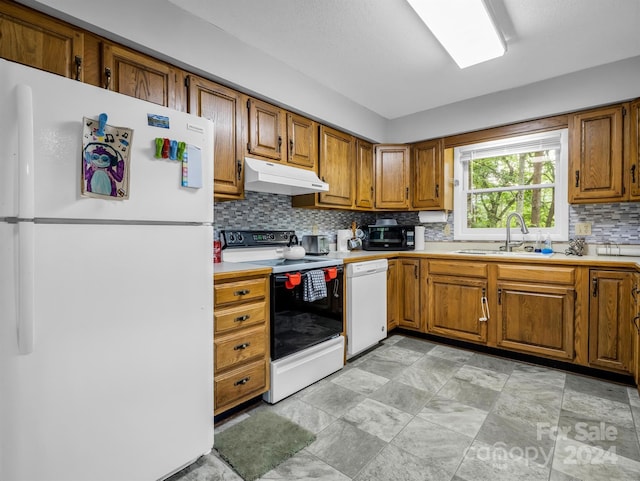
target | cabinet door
[
  {"x": 536, "y": 318},
  {"x": 392, "y": 295},
  {"x": 596, "y": 155},
  {"x": 634, "y": 152},
  {"x": 456, "y": 307},
  {"x": 428, "y": 189},
  {"x": 33, "y": 39},
  {"x": 409, "y": 293},
  {"x": 337, "y": 151},
  {"x": 364, "y": 175},
  {"x": 225, "y": 108},
  {"x": 392, "y": 177},
  {"x": 635, "y": 326},
  {"x": 137, "y": 75},
  {"x": 267, "y": 126},
  {"x": 302, "y": 142},
  {"x": 609, "y": 320}
]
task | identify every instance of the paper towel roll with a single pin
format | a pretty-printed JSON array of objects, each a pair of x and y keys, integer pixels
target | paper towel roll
[
  {"x": 419, "y": 238},
  {"x": 432, "y": 216},
  {"x": 342, "y": 237}
]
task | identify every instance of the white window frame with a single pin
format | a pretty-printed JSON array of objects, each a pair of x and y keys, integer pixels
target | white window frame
[{"x": 560, "y": 232}]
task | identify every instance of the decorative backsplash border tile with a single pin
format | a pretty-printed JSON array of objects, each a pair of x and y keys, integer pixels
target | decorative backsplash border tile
[{"x": 616, "y": 223}]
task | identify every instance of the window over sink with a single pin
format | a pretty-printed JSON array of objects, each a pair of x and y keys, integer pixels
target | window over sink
[{"x": 524, "y": 174}]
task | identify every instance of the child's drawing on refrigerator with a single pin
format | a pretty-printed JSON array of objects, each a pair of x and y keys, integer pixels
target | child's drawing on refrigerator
[{"x": 105, "y": 159}]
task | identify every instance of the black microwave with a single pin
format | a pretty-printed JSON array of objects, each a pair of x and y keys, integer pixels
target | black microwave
[{"x": 389, "y": 238}]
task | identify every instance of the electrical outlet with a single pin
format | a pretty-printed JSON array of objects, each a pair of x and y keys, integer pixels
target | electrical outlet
[
  {"x": 583, "y": 228},
  {"x": 447, "y": 229}
]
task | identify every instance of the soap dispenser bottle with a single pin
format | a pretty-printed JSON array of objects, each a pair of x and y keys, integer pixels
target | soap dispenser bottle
[
  {"x": 538, "y": 244},
  {"x": 548, "y": 248}
]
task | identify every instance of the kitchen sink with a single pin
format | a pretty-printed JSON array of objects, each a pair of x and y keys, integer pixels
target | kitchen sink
[{"x": 495, "y": 252}]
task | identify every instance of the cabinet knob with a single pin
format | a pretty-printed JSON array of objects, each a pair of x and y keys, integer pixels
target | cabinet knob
[
  {"x": 242, "y": 346},
  {"x": 242, "y": 318},
  {"x": 633, "y": 174},
  {"x": 577, "y": 178},
  {"x": 241, "y": 292}
]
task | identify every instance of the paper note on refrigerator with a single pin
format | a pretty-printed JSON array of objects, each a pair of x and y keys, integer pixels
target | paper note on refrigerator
[
  {"x": 105, "y": 159},
  {"x": 192, "y": 168}
]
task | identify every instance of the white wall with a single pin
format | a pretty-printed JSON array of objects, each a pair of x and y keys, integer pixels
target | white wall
[
  {"x": 161, "y": 29},
  {"x": 592, "y": 87}
]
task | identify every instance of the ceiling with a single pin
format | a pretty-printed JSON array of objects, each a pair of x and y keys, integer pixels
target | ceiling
[{"x": 379, "y": 54}]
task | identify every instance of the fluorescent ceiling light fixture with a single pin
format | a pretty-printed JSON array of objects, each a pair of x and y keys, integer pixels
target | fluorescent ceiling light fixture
[{"x": 463, "y": 27}]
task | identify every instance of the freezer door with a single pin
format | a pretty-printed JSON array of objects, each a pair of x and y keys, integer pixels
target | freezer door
[
  {"x": 58, "y": 107},
  {"x": 119, "y": 382}
]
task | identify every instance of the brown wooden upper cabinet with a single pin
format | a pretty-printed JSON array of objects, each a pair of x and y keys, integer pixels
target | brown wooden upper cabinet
[
  {"x": 336, "y": 167},
  {"x": 226, "y": 109},
  {"x": 597, "y": 164},
  {"x": 273, "y": 134},
  {"x": 137, "y": 75},
  {"x": 634, "y": 151},
  {"x": 431, "y": 171},
  {"x": 266, "y": 131},
  {"x": 302, "y": 142},
  {"x": 33, "y": 39},
  {"x": 392, "y": 177},
  {"x": 365, "y": 174}
]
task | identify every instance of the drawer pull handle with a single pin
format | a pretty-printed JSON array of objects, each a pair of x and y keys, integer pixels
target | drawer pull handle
[
  {"x": 242, "y": 318},
  {"x": 242, "y": 292},
  {"x": 242, "y": 346},
  {"x": 241, "y": 382}
]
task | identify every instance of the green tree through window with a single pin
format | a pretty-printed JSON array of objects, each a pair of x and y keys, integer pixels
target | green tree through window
[{"x": 524, "y": 174}]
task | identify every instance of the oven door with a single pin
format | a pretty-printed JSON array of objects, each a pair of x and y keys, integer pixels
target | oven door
[{"x": 297, "y": 324}]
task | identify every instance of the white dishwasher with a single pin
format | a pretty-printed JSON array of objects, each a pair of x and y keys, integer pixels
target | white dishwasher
[{"x": 366, "y": 305}]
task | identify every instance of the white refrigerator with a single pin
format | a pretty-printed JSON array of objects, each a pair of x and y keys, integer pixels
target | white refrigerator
[{"x": 106, "y": 305}]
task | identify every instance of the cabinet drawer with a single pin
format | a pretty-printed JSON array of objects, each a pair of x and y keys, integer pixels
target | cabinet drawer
[
  {"x": 248, "y": 314},
  {"x": 529, "y": 273},
  {"x": 246, "y": 290},
  {"x": 463, "y": 269},
  {"x": 238, "y": 347},
  {"x": 240, "y": 384}
]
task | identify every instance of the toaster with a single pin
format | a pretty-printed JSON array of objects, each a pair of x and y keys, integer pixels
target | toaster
[{"x": 316, "y": 245}]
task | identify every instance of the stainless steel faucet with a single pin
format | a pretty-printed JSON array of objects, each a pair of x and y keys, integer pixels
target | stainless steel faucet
[{"x": 523, "y": 228}]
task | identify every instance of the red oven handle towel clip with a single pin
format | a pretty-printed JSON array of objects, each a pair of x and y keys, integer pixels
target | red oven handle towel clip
[
  {"x": 293, "y": 280},
  {"x": 330, "y": 273}
]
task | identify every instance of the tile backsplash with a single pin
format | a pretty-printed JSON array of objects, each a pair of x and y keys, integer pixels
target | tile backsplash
[{"x": 616, "y": 223}]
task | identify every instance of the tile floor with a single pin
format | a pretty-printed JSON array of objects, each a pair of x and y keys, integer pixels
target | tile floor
[{"x": 415, "y": 410}]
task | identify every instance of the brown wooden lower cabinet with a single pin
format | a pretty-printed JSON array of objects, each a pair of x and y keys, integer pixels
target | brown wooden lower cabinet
[
  {"x": 241, "y": 340},
  {"x": 456, "y": 292},
  {"x": 456, "y": 307},
  {"x": 392, "y": 294},
  {"x": 610, "y": 341},
  {"x": 409, "y": 298},
  {"x": 535, "y": 318},
  {"x": 635, "y": 326},
  {"x": 239, "y": 385}
]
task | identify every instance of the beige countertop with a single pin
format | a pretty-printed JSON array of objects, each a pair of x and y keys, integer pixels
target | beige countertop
[{"x": 446, "y": 250}]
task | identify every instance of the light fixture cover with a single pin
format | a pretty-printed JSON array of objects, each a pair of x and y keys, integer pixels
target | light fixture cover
[{"x": 463, "y": 27}]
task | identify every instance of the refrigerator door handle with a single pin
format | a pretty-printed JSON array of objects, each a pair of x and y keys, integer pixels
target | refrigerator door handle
[
  {"x": 26, "y": 145},
  {"x": 25, "y": 286},
  {"x": 26, "y": 228}
]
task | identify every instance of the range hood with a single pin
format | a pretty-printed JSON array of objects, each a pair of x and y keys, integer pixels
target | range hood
[{"x": 261, "y": 176}]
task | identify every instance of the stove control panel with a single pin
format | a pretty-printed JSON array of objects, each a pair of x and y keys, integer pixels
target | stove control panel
[{"x": 255, "y": 238}]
